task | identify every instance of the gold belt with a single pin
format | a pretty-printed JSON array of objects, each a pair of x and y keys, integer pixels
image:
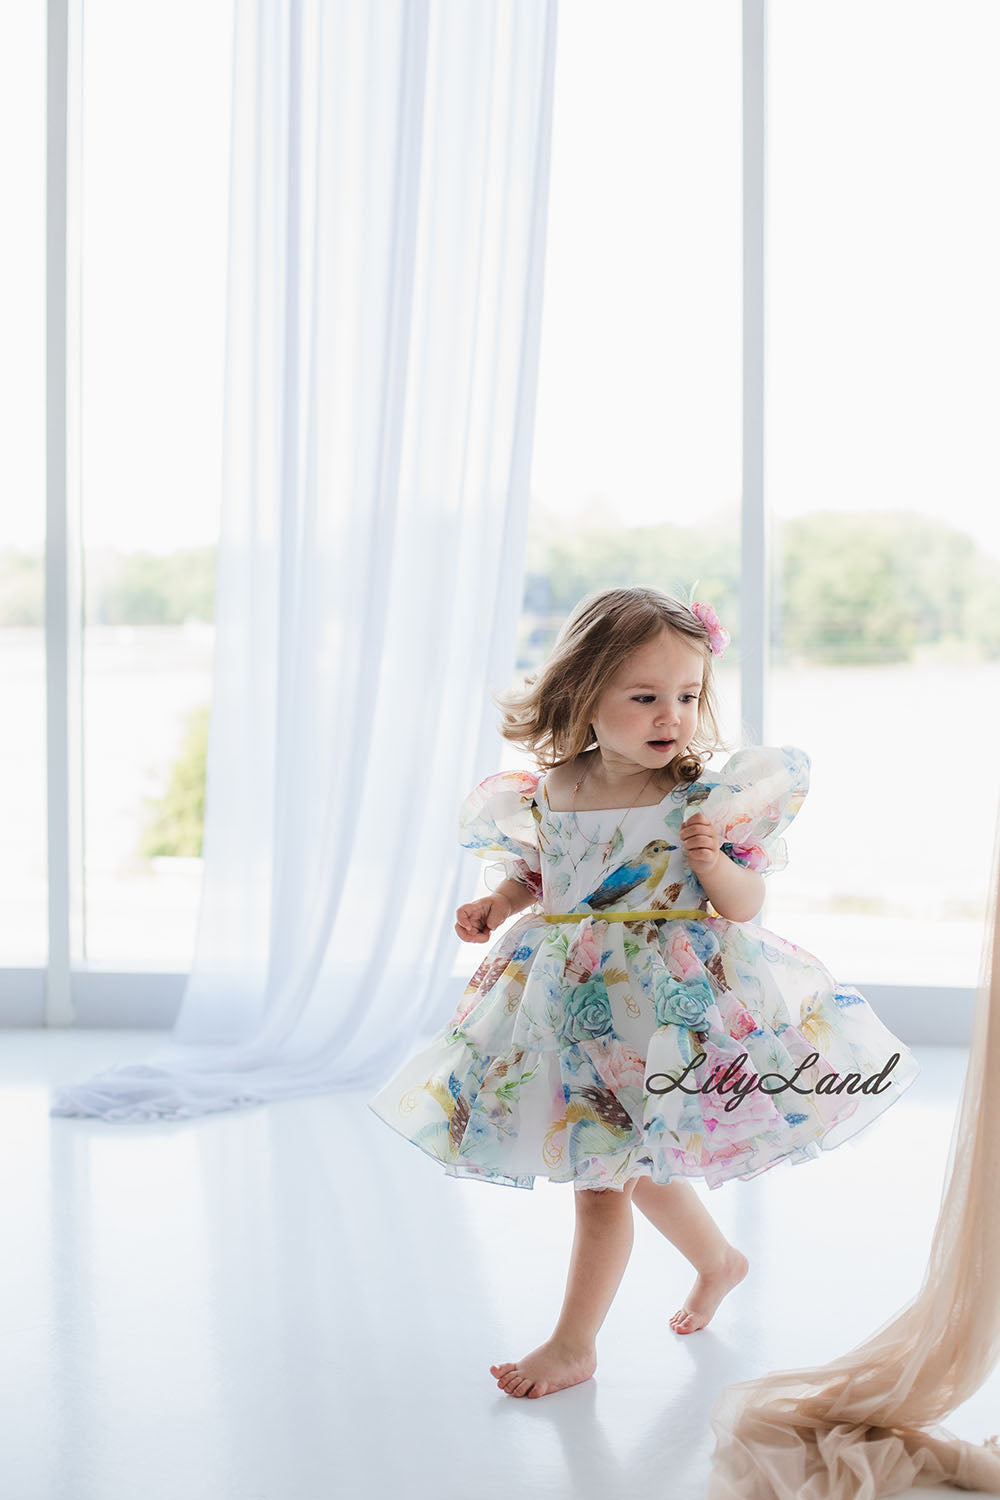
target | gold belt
[{"x": 671, "y": 914}]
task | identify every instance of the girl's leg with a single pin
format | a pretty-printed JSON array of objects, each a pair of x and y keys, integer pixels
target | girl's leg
[
  {"x": 602, "y": 1244},
  {"x": 677, "y": 1211}
]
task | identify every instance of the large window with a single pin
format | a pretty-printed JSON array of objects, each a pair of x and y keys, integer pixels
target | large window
[
  {"x": 23, "y": 884},
  {"x": 882, "y": 536},
  {"x": 147, "y": 169},
  {"x": 636, "y": 461},
  {"x": 881, "y": 312},
  {"x": 883, "y": 474},
  {"x": 153, "y": 203}
]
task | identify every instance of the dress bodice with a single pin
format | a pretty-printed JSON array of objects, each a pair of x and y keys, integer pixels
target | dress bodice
[
  {"x": 613, "y": 859},
  {"x": 560, "y": 856}
]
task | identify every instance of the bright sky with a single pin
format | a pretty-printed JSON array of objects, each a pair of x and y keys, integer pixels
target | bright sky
[
  {"x": 155, "y": 186},
  {"x": 883, "y": 236}
]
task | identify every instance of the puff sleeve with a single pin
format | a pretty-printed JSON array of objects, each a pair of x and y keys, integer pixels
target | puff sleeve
[
  {"x": 498, "y": 818},
  {"x": 759, "y": 791}
]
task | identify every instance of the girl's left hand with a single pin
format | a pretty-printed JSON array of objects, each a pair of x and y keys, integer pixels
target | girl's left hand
[{"x": 701, "y": 843}]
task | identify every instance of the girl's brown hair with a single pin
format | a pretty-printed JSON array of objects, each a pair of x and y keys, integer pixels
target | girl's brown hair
[{"x": 551, "y": 714}]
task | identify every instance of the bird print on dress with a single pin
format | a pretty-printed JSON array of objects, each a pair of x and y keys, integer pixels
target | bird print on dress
[{"x": 642, "y": 874}]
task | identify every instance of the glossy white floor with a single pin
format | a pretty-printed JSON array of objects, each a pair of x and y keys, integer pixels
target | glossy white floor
[{"x": 291, "y": 1302}]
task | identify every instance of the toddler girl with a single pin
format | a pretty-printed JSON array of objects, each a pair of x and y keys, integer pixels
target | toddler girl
[{"x": 635, "y": 1028}]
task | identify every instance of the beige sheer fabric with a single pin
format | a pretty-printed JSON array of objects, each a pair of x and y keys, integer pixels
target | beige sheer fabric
[{"x": 867, "y": 1423}]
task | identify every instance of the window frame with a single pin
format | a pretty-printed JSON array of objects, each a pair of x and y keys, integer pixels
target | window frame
[{"x": 71, "y": 991}]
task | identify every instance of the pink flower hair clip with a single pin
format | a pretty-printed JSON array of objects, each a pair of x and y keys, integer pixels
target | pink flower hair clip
[{"x": 718, "y": 635}]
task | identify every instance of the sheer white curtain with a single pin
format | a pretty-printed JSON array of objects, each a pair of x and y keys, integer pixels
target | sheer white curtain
[{"x": 389, "y": 187}]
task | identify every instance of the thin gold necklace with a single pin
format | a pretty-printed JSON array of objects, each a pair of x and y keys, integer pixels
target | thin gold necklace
[{"x": 608, "y": 846}]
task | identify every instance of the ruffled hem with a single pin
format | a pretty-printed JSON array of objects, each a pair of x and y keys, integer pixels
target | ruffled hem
[{"x": 523, "y": 1114}]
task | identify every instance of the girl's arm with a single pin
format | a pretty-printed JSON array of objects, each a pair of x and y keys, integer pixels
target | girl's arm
[
  {"x": 517, "y": 894},
  {"x": 736, "y": 892}
]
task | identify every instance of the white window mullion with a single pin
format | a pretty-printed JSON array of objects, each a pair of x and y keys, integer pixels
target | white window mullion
[
  {"x": 62, "y": 541},
  {"x": 754, "y": 553}
]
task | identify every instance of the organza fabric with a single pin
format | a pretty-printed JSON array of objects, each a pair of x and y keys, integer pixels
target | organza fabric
[
  {"x": 585, "y": 1052},
  {"x": 868, "y": 1423}
]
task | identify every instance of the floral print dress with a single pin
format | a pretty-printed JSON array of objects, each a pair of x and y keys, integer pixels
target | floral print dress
[{"x": 597, "y": 1050}]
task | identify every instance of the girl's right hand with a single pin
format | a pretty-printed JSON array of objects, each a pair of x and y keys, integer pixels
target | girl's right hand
[{"x": 477, "y": 919}]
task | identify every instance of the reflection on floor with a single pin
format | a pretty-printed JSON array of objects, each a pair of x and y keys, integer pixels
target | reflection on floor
[{"x": 291, "y": 1302}]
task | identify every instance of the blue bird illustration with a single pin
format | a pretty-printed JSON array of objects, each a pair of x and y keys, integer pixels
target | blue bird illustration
[{"x": 642, "y": 873}]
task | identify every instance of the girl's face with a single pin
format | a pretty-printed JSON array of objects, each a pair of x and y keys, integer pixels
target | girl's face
[{"x": 648, "y": 712}]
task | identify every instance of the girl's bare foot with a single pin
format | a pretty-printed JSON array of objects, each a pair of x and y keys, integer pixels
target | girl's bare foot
[
  {"x": 551, "y": 1367},
  {"x": 708, "y": 1291}
]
